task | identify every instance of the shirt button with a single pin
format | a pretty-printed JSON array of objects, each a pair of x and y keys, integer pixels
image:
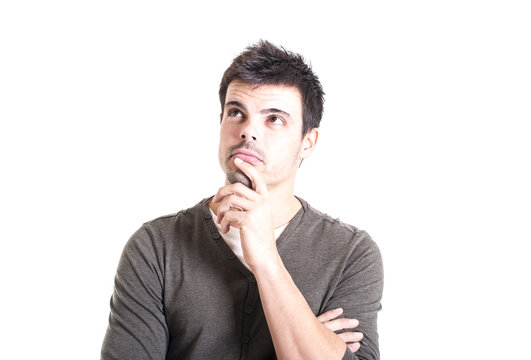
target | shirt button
[
  {"x": 216, "y": 236},
  {"x": 248, "y": 309},
  {"x": 231, "y": 256},
  {"x": 245, "y": 339},
  {"x": 252, "y": 279},
  {"x": 208, "y": 216}
]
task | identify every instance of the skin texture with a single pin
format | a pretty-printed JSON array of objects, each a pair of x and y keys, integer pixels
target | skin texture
[{"x": 260, "y": 150}]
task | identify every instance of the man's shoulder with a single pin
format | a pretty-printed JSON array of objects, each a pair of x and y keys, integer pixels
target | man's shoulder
[
  {"x": 168, "y": 229},
  {"x": 322, "y": 219},
  {"x": 332, "y": 229},
  {"x": 171, "y": 226},
  {"x": 199, "y": 210}
]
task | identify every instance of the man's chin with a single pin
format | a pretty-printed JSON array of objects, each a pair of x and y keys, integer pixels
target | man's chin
[{"x": 239, "y": 177}]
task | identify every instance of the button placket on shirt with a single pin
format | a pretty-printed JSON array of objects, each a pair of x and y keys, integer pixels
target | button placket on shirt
[
  {"x": 248, "y": 310},
  {"x": 251, "y": 296}
]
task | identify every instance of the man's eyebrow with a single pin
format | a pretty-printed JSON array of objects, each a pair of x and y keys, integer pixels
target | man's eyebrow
[
  {"x": 275, "y": 111},
  {"x": 264, "y": 111},
  {"x": 236, "y": 103}
]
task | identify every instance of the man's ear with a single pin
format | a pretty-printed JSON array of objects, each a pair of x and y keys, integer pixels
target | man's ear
[{"x": 309, "y": 141}]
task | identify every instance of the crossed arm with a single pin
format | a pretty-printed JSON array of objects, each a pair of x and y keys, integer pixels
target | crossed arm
[
  {"x": 351, "y": 338},
  {"x": 296, "y": 332}
]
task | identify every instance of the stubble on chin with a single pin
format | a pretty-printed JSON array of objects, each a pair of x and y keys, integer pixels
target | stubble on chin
[{"x": 239, "y": 177}]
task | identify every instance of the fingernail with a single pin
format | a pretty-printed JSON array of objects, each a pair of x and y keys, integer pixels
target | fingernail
[
  {"x": 238, "y": 160},
  {"x": 354, "y": 322}
]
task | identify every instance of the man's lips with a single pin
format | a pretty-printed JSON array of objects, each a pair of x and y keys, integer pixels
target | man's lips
[{"x": 247, "y": 156}]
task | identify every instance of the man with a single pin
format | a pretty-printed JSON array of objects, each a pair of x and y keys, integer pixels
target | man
[{"x": 253, "y": 272}]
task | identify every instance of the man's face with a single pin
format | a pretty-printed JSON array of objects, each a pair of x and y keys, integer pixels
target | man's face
[{"x": 262, "y": 126}]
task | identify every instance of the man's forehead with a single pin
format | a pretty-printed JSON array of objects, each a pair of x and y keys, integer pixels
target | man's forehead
[{"x": 239, "y": 90}]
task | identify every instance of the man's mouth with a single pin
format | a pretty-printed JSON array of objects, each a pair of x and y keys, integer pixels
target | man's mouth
[{"x": 247, "y": 156}]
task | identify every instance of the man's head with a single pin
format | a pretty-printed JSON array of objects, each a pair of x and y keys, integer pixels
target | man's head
[
  {"x": 269, "y": 97},
  {"x": 267, "y": 64}
]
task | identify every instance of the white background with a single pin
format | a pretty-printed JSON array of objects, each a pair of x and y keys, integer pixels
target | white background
[{"x": 109, "y": 118}]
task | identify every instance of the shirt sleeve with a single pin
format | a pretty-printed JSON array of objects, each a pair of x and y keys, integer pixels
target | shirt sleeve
[
  {"x": 137, "y": 327},
  {"x": 359, "y": 293}
]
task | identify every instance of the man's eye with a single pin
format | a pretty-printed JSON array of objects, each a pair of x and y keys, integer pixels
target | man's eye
[
  {"x": 276, "y": 120},
  {"x": 234, "y": 113}
]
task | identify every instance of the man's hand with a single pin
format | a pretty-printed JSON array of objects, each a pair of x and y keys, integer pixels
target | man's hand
[
  {"x": 248, "y": 210},
  {"x": 352, "y": 339}
]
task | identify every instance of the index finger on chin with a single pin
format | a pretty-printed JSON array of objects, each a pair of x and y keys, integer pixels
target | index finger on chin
[{"x": 258, "y": 183}]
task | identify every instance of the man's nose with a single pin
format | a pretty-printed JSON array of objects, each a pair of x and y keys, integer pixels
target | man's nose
[{"x": 249, "y": 132}]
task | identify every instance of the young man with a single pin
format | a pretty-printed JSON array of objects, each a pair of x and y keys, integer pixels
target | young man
[{"x": 253, "y": 272}]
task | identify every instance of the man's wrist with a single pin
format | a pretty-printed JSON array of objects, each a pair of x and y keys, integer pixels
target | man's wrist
[{"x": 270, "y": 266}]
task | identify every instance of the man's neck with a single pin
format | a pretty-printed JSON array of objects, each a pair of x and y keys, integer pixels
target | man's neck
[{"x": 283, "y": 208}]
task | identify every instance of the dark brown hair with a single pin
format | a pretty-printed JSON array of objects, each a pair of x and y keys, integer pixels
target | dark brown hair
[{"x": 266, "y": 64}]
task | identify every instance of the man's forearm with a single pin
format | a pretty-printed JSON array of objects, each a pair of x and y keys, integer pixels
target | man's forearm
[{"x": 296, "y": 332}]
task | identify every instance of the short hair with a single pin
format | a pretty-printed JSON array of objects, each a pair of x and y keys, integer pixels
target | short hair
[{"x": 266, "y": 64}]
